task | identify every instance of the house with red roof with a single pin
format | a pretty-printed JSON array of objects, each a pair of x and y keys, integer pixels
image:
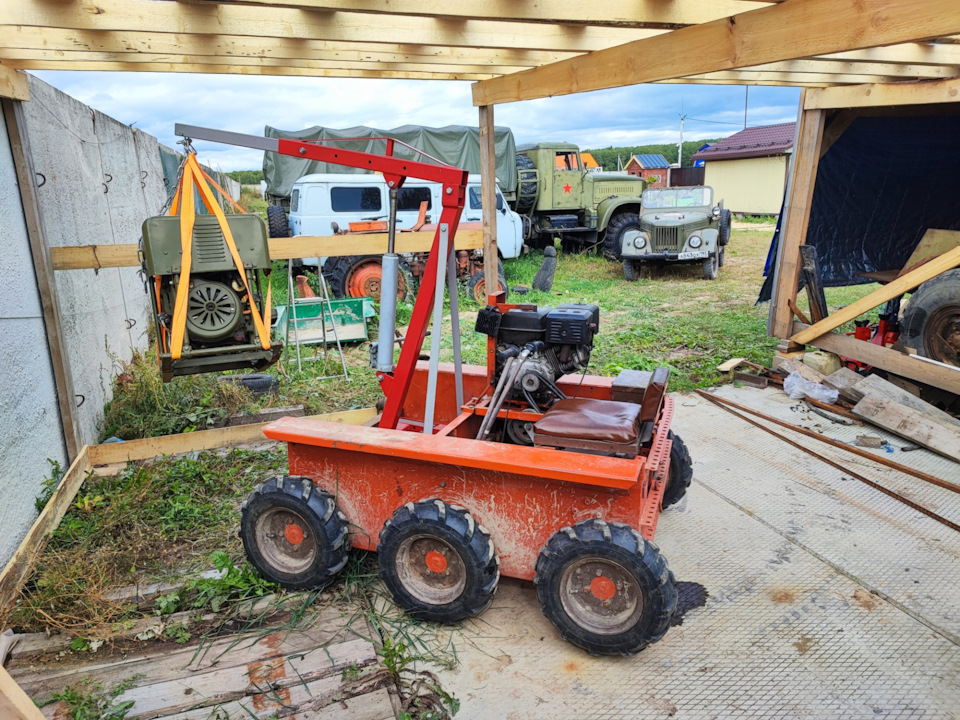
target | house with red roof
[{"x": 749, "y": 169}]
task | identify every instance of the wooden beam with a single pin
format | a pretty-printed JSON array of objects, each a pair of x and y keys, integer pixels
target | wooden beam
[
  {"x": 24, "y": 59},
  {"x": 908, "y": 53},
  {"x": 919, "y": 427},
  {"x": 896, "y": 288},
  {"x": 803, "y": 174},
  {"x": 235, "y": 69},
  {"x": 835, "y": 128},
  {"x": 625, "y": 13},
  {"x": 253, "y": 21},
  {"x": 787, "y": 31},
  {"x": 488, "y": 171},
  {"x": 13, "y": 84},
  {"x": 919, "y": 93},
  {"x": 14, "y": 702},
  {"x": 82, "y": 257},
  {"x": 43, "y": 269},
  {"x": 817, "y": 66},
  {"x": 798, "y": 79},
  {"x": 18, "y": 37},
  {"x": 907, "y": 366}
]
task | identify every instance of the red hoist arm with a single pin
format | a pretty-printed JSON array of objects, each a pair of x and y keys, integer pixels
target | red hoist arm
[{"x": 395, "y": 171}]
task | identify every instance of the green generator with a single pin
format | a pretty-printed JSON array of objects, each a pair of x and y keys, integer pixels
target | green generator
[{"x": 220, "y": 332}]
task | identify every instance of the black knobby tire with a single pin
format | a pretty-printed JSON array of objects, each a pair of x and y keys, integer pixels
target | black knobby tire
[
  {"x": 437, "y": 562},
  {"x": 337, "y": 271},
  {"x": 681, "y": 472},
  {"x": 260, "y": 383},
  {"x": 293, "y": 533},
  {"x": 525, "y": 204},
  {"x": 931, "y": 320},
  {"x": 721, "y": 257},
  {"x": 277, "y": 222},
  {"x": 595, "y": 562},
  {"x": 711, "y": 264},
  {"x": 723, "y": 232},
  {"x": 476, "y": 286},
  {"x": 631, "y": 270},
  {"x": 613, "y": 237}
]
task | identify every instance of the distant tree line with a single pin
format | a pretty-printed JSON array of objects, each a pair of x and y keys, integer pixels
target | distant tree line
[
  {"x": 607, "y": 157},
  {"x": 252, "y": 177}
]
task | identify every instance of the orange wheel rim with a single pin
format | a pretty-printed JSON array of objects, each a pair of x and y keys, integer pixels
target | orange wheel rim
[{"x": 364, "y": 281}]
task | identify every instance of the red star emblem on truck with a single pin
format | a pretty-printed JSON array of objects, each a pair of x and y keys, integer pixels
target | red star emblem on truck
[{"x": 567, "y": 188}]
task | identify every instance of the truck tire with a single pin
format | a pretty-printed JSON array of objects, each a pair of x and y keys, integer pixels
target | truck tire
[
  {"x": 631, "y": 270},
  {"x": 613, "y": 237},
  {"x": 525, "y": 204},
  {"x": 605, "y": 588},
  {"x": 711, "y": 264},
  {"x": 723, "y": 232},
  {"x": 277, "y": 222},
  {"x": 359, "y": 276},
  {"x": 931, "y": 320}
]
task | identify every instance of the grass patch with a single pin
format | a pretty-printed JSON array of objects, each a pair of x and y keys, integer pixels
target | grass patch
[{"x": 150, "y": 522}]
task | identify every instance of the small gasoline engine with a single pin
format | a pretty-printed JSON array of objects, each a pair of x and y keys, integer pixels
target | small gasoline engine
[{"x": 534, "y": 347}]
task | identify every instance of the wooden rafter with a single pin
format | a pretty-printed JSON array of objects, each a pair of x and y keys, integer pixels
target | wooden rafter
[
  {"x": 624, "y": 13},
  {"x": 787, "y": 31}
]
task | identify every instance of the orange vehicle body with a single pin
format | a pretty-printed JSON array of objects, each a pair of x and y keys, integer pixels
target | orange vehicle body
[{"x": 521, "y": 494}]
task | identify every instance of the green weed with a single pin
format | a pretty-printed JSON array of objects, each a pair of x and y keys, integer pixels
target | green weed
[
  {"x": 236, "y": 583},
  {"x": 49, "y": 485},
  {"x": 87, "y": 701}
]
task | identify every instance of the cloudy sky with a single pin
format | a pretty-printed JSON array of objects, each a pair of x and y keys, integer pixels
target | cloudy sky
[{"x": 633, "y": 115}]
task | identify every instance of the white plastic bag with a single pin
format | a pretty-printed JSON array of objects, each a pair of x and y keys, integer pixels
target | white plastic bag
[{"x": 798, "y": 387}]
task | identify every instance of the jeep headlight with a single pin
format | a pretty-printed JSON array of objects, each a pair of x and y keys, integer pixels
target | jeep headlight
[
  {"x": 695, "y": 241},
  {"x": 640, "y": 242}
]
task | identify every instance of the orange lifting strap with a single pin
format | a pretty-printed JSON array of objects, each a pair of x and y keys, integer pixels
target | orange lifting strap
[{"x": 193, "y": 176}]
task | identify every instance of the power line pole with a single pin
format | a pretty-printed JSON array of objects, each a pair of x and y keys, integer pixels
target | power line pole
[
  {"x": 746, "y": 102},
  {"x": 680, "y": 144}
]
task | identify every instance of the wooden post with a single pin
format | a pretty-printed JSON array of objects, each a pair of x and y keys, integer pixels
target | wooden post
[
  {"x": 806, "y": 158},
  {"x": 488, "y": 179},
  {"x": 26, "y": 179}
]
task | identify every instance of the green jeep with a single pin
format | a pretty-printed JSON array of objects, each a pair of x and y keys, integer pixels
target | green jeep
[{"x": 680, "y": 224}]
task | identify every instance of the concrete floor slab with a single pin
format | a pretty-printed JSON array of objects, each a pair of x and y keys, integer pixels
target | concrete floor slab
[{"x": 826, "y": 598}]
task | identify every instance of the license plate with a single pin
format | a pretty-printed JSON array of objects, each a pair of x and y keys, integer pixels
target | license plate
[{"x": 692, "y": 255}]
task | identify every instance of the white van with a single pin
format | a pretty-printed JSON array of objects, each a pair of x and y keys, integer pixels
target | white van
[{"x": 326, "y": 203}]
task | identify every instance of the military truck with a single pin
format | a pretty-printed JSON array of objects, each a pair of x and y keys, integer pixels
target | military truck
[
  {"x": 678, "y": 224},
  {"x": 560, "y": 198}
]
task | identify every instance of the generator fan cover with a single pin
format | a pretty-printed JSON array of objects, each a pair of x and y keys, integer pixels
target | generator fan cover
[{"x": 213, "y": 310}]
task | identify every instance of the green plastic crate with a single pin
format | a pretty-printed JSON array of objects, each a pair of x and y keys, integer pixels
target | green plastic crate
[{"x": 350, "y": 315}]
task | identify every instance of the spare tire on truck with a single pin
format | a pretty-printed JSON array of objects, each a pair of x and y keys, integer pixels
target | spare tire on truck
[{"x": 526, "y": 191}]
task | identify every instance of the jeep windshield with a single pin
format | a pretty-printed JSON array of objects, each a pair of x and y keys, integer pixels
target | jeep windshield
[{"x": 659, "y": 198}]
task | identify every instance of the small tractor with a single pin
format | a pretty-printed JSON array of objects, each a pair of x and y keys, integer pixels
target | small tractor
[
  {"x": 525, "y": 467},
  {"x": 678, "y": 224}
]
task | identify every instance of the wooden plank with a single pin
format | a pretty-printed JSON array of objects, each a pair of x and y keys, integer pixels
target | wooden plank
[
  {"x": 13, "y": 84},
  {"x": 20, "y": 566},
  {"x": 844, "y": 381},
  {"x": 802, "y": 178},
  {"x": 204, "y": 439},
  {"x": 43, "y": 268},
  {"x": 371, "y": 706},
  {"x": 912, "y": 53},
  {"x": 82, "y": 257},
  {"x": 214, "y": 688},
  {"x": 729, "y": 365},
  {"x": 13, "y": 38},
  {"x": 155, "y": 664},
  {"x": 908, "y": 366},
  {"x": 873, "y": 95},
  {"x": 488, "y": 170},
  {"x": 624, "y": 13},
  {"x": 787, "y": 31},
  {"x": 227, "y": 19},
  {"x": 14, "y": 702},
  {"x": 902, "y": 284},
  {"x": 911, "y": 424},
  {"x": 878, "y": 387}
]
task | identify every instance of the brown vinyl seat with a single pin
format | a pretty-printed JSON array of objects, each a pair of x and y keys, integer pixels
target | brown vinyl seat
[{"x": 606, "y": 426}]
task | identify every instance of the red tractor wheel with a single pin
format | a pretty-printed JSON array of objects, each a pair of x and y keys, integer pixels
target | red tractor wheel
[
  {"x": 437, "y": 562},
  {"x": 605, "y": 588},
  {"x": 360, "y": 275}
]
